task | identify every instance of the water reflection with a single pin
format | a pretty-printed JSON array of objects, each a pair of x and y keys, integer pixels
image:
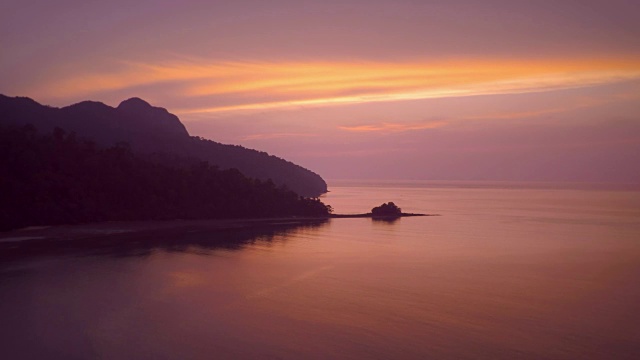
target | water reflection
[
  {"x": 467, "y": 285},
  {"x": 386, "y": 220},
  {"x": 133, "y": 240}
]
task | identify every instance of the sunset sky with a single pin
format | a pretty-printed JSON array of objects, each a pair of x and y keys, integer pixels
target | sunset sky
[{"x": 442, "y": 90}]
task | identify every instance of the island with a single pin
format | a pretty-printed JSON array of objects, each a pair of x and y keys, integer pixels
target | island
[{"x": 385, "y": 211}]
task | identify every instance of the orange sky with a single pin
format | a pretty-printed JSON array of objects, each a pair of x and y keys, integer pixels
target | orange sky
[{"x": 503, "y": 90}]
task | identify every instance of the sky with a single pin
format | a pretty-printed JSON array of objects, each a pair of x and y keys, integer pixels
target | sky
[{"x": 403, "y": 89}]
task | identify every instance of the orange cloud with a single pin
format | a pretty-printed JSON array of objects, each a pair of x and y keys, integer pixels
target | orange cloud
[
  {"x": 251, "y": 86},
  {"x": 393, "y": 127}
]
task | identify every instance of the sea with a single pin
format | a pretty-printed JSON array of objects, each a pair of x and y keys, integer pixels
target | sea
[{"x": 501, "y": 270}]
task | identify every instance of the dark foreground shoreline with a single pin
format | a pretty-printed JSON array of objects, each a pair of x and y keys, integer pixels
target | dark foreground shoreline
[
  {"x": 130, "y": 235},
  {"x": 136, "y": 236}
]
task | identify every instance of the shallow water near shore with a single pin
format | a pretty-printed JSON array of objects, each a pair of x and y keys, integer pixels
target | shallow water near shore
[{"x": 507, "y": 271}]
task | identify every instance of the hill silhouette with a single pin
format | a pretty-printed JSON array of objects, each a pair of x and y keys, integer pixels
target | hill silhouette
[
  {"x": 153, "y": 130},
  {"x": 57, "y": 178}
]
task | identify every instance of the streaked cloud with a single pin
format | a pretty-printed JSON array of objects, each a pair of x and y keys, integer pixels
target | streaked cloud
[
  {"x": 275, "y": 136},
  {"x": 393, "y": 127},
  {"x": 568, "y": 106},
  {"x": 218, "y": 88}
]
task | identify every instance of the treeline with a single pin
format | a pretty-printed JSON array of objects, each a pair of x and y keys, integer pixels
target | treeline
[
  {"x": 50, "y": 179},
  {"x": 257, "y": 164}
]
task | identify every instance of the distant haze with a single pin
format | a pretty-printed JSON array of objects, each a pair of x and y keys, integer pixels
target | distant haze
[{"x": 456, "y": 90}]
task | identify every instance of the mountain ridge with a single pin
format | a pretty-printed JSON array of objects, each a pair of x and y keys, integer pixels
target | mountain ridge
[{"x": 154, "y": 130}]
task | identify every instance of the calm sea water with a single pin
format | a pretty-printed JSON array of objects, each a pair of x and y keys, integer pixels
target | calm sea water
[{"x": 508, "y": 271}]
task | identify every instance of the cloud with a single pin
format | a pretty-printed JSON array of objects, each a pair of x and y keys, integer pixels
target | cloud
[
  {"x": 392, "y": 127},
  {"x": 274, "y": 136},
  {"x": 568, "y": 105},
  {"x": 224, "y": 87}
]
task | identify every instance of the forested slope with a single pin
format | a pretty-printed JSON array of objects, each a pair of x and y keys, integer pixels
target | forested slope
[{"x": 57, "y": 178}]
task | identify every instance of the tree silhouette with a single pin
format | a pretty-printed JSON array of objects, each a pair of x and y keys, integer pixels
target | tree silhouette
[
  {"x": 386, "y": 209},
  {"x": 61, "y": 179}
]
